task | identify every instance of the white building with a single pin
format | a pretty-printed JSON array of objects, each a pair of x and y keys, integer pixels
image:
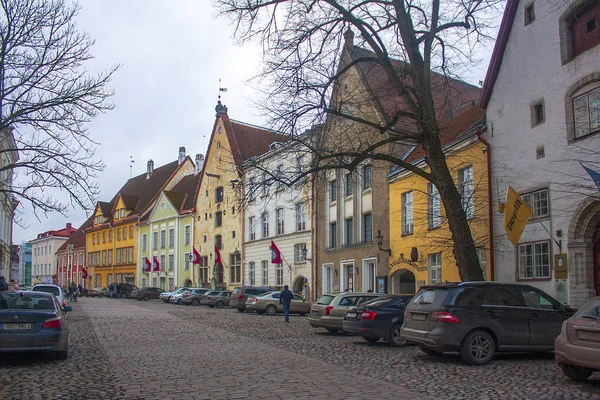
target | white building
[
  {"x": 542, "y": 96},
  {"x": 8, "y": 157},
  {"x": 44, "y": 263},
  {"x": 281, "y": 213}
]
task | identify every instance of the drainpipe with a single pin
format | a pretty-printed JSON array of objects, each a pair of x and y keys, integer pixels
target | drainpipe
[{"x": 479, "y": 133}]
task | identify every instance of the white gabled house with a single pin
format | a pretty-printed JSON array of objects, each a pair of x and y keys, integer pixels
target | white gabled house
[{"x": 542, "y": 96}]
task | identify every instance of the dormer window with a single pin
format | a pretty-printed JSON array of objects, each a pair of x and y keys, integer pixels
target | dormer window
[
  {"x": 122, "y": 212},
  {"x": 117, "y": 214}
]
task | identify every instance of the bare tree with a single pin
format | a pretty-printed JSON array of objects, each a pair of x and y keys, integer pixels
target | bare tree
[
  {"x": 414, "y": 48},
  {"x": 47, "y": 97}
]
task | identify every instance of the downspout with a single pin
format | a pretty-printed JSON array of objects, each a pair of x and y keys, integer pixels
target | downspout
[{"x": 488, "y": 149}]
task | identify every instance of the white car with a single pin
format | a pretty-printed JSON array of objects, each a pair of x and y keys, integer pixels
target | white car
[
  {"x": 56, "y": 290},
  {"x": 166, "y": 296}
]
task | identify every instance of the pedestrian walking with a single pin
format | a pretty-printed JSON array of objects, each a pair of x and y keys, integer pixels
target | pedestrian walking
[
  {"x": 3, "y": 284},
  {"x": 111, "y": 291},
  {"x": 286, "y": 298},
  {"x": 13, "y": 286}
]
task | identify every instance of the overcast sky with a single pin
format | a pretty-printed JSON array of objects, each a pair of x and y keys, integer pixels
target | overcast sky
[{"x": 172, "y": 53}]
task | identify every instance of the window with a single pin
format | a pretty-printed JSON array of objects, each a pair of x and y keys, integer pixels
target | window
[
  {"x": 163, "y": 266},
  {"x": 219, "y": 242},
  {"x": 369, "y": 276},
  {"x": 534, "y": 260},
  {"x": 251, "y": 189},
  {"x": 482, "y": 256},
  {"x": 122, "y": 212},
  {"x": 367, "y": 228},
  {"x": 187, "y": 235},
  {"x": 124, "y": 232},
  {"x": 299, "y": 253},
  {"x": 280, "y": 177},
  {"x": 118, "y": 256},
  {"x": 348, "y": 185},
  {"x": 235, "y": 268},
  {"x": 130, "y": 254},
  {"x": 348, "y": 278},
  {"x": 218, "y": 219},
  {"x": 279, "y": 213},
  {"x": 264, "y": 218},
  {"x": 116, "y": 214},
  {"x": 586, "y": 111},
  {"x": 333, "y": 235},
  {"x": 529, "y": 14},
  {"x": 434, "y": 262},
  {"x": 584, "y": 31},
  {"x": 433, "y": 206},
  {"x": 171, "y": 238},
  {"x": 110, "y": 236},
  {"x": 538, "y": 202},
  {"x": 301, "y": 216},
  {"x": 110, "y": 257},
  {"x": 465, "y": 188},
  {"x": 118, "y": 234},
  {"x": 171, "y": 262},
  {"x": 264, "y": 266},
  {"x": 103, "y": 237},
  {"x": 131, "y": 232},
  {"x": 333, "y": 191},
  {"x": 301, "y": 163},
  {"x": 219, "y": 194},
  {"x": 163, "y": 239},
  {"x": 367, "y": 177},
  {"x": 93, "y": 239},
  {"x": 279, "y": 274},
  {"x": 538, "y": 115},
  {"x": 252, "y": 273},
  {"x": 186, "y": 261},
  {"x": 407, "y": 213},
  {"x": 539, "y": 300},
  {"x": 349, "y": 231},
  {"x": 252, "y": 228},
  {"x": 540, "y": 152},
  {"x": 264, "y": 184},
  {"x": 103, "y": 257},
  {"x": 154, "y": 240}
]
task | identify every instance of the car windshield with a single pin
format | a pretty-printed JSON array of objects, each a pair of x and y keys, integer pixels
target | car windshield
[
  {"x": 266, "y": 294},
  {"x": 326, "y": 299},
  {"x": 379, "y": 301},
  {"x": 25, "y": 302},
  {"x": 591, "y": 309},
  {"x": 47, "y": 289},
  {"x": 237, "y": 291}
]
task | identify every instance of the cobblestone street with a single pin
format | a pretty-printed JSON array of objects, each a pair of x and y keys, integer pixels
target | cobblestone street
[{"x": 127, "y": 349}]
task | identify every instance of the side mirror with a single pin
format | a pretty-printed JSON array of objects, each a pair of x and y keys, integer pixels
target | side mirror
[{"x": 67, "y": 308}]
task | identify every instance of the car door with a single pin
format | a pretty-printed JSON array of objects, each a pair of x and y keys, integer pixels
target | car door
[
  {"x": 297, "y": 304},
  {"x": 503, "y": 309},
  {"x": 545, "y": 316}
]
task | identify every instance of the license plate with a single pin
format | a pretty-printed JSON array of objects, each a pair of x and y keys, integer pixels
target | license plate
[
  {"x": 351, "y": 315},
  {"x": 588, "y": 335},
  {"x": 15, "y": 327},
  {"x": 314, "y": 312},
  {"x": 419, "y": 317}
]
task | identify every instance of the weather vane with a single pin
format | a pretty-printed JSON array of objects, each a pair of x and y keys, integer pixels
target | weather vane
[
  {"x": 131, "y": 161},
  {"x": 221, "y": 89}
]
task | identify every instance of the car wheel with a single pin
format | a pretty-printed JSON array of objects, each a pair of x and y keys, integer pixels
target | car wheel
[
  {"x": 271, "y": 309},
  {"x": 394, "y": 337},
  {"x": 430, "y": 352},
  {"x": 124, "y": 295},
  {"x": 370, "y": 339},
  {"x": 220, "y": 304},
  {"x": 61, "y": 355},
  {"x": 332, "y": 330},
  {"x": 478, "y": 348},
  {"x": 101, "y": 295},
  {"x": 241, "y": 310},
  {"x": 195, "y": 302},
  {"x": 146, "y": 298},
  {"x": 575, "y": 372}
]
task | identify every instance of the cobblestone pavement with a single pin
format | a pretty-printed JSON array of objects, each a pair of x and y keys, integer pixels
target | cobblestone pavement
[{"x": 127, "y": 349}]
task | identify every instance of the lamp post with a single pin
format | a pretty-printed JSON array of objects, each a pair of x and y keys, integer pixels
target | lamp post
[{"x": 379, "y": 238}]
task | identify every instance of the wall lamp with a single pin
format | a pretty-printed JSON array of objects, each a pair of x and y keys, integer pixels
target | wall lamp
[
  {"x": 305, "y": 253},
  {"x": 379, "y": 238}
]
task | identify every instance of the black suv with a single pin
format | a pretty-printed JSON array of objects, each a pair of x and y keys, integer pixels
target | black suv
[
  {"x": 125, "y": 290},
  {"x": 241, "y": 294},
  {"x": 479, "y": 318}
]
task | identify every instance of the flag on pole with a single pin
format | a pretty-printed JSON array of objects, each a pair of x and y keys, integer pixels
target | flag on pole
[
  {"x": 196, "y": 256},
  {"x": 84, "y": 273},
  {"x": 593, "y": 174},
  {"x": 275, "y": 254},
  {"x": 155, "y": 264},
  {"x": 516, "y": 215},
  {"x": 147, "y": 265},
  {"x": 222, "y": 89},
  {"x": 217, "y": 255}
]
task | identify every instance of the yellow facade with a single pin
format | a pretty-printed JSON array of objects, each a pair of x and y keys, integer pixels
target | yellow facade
[{"x": 433, "y": 260}]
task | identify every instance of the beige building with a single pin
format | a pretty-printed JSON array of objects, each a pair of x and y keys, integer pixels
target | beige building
[{"x": 44, "y": 265}]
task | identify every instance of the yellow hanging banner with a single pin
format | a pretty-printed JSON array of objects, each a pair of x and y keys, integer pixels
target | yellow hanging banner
[{"x": 516, "y": 215}]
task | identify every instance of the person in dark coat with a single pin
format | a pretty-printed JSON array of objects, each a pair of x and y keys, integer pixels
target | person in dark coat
[
  {"x": 3, "y": 284},
  {"x": 286, "y": 298}
]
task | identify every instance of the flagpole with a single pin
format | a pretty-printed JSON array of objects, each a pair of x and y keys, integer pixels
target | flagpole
[{"x": 289, "y": 266}]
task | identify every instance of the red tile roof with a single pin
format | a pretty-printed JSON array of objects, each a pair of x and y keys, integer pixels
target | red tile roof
[{"x": 77, "y": 239}]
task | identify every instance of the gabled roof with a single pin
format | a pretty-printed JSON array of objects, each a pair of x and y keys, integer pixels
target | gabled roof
[
  {"x": 508, "y": 20},
  {"x": 130, "y": 201},
  {"x": 105, "y": 207},
  {"x": 77, "y": 239},
  {"x": 185, "y": 192}
]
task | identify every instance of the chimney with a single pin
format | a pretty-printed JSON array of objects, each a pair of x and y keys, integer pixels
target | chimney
[
  {"x": 68, "y": 225},
  {"x": 199, "y": 162},
  {"x": 150, "y": 169},
  {"x": 181, "y": 154},
  {"x": 349, "y": 37},
  {"x": 220, "y": 109}
]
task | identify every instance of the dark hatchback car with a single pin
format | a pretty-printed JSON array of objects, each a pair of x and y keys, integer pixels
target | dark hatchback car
[
  {"x": 146, "y": 293},
  {"x": 125, "y": 289},
  {"x": 33, "y": 322},
  {"x": 478, "y": 319},
  {"x": 377, "y": 319},
  {"x": 240, "y": 295}
]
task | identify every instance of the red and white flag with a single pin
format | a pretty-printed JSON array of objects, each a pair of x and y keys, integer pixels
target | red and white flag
[
  {"x": 84, "y": 273},
  {"x": 275, "y": 254},
  {"x": 217, "y": 256},
  {"x": 196, "y": 257},
  {"x": 147, "y": 265},
  {"x": 155, "y": 264}
]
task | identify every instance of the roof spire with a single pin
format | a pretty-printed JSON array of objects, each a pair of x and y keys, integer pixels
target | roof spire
[
  {"x": 220, "y": 109},
  {"x": 349, "y": 37}
]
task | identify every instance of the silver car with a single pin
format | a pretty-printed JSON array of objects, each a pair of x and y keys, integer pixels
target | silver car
[
  {"x": 216, "y": 298},
  {"x": 166, "y": 296},
  {"x": 329, "y": 310}
]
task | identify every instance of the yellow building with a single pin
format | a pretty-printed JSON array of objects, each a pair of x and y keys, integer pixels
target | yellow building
[
  {"x": 112, "y": 240},
  {"x": 420, "y": 239}
]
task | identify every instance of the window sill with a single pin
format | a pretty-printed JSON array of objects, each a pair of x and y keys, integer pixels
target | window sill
[
  {"x": 534, "y": 279},
  {"x": 367, "y": 190},
  {"x": 407, "y": 234}
]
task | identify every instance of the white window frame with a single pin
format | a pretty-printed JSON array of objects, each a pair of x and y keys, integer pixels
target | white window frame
[
  {"x": 301, "y": 216},
  {"x": 369, "y": 274},
  {"x": 279, "y": 274},
  {"x": 407, "y": 213},
  {"x": 298, "y": 255},
  {"x": 186, "y": 261},
  {"x": 280, "y": 216},
  {"x": 252, "y": 228},
  {"x": 532, "y": 265},
  {"x": 252, "y": 273},
  {"x": 434, "y": 218},
  {"x": 467, "y": 190},
  {"x": 538, "y": 201},
  {"x": 367, "y": 177},
  {"x": 434, "y": 268},
  {"x": 264, "y": 272},
  {"x": 327, "y": 279},
  {"x": 348, "y": 184},
  {"x": 264, "y": 217},
  {"x": 187, "y": 235},
  {"x": 589, "y": 113}
]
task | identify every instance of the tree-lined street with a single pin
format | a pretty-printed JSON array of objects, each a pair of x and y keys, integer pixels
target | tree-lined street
[{"x": 126, "y": 349}]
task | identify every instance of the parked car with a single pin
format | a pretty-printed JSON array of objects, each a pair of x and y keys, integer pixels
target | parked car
[
  {"x": 166, "y": 296},
  {"x": 33, "y": 321},
  {"x": 478, "y": 319},
  {"x": 146, "y": 293},
  {"x": 269, "y": 303},
  {"x": 329, "y": 310},
  {"x": 52, "y": 289},
  {"x": 125, "y": 289},
  {"x": 240, "y": 295},
  {"x": 193, "y": 296},
  {"x": 380, "y": 318},
  {"x": 216, "y": 298},
  {"x": 98, "y": 292},
  {"x": 577, "y": 348}
]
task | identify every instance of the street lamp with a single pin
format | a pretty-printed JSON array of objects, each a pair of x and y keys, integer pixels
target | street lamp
[
  {"x": 304, "y": 253},
  {"x": 380, "y": 243}
]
